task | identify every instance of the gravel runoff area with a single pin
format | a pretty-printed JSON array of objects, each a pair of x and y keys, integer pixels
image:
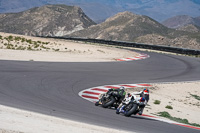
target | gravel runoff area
[{"x": 182, "y": 97}]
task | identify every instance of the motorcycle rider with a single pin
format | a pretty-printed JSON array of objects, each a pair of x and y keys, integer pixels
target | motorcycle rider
[
  {"x": 143, "y": 99},
  {"x": 120, "y": 93}
]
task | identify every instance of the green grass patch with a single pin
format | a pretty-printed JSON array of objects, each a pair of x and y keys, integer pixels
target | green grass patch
[
  {"x": 169, "y": 107},
  {"x": 156, "y": 102},
  {"x": 180, "y": 120},
  {"x": 195, "y": 96}
]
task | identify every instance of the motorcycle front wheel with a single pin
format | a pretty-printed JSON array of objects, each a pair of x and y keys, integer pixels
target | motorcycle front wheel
[
  {"x": 106, "y": 104},
  {"x": 131, "y": 111}
]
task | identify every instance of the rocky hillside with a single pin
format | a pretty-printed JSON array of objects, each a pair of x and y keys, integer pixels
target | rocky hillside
[
  {"x": 190, "y": 28},
  {"x": 49, "y": 20},
  {"x": 124, "y": 26},
  {"x": 127, "y": 26},
  {"x": 181, "y": 21}
]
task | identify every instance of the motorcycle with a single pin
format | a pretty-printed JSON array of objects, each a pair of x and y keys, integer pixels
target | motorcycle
[
  {"x": 129, "y": 106},
  {"x": 109, "y": 99}
]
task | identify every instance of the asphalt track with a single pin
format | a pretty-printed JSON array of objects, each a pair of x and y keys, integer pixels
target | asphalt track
[{"x": 52, "y": 88}]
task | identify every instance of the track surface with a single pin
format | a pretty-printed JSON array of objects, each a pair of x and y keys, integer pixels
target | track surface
[{"x": 52, "y": 88}]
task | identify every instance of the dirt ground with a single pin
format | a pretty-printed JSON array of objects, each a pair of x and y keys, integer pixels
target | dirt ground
[
  {"x": 180, "y": 96},
  {"x": 26, "y": 48}
]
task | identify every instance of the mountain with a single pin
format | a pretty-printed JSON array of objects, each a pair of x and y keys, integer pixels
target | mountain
[
  {"x": 124, "y": 26},
  {"x": 49, "y": 20},
  {"x": 102, "y": 9},
  {"x": 181, "y": 21},
  {"x": 130, "y": 27},
  {"x": 190, "y": 28}
]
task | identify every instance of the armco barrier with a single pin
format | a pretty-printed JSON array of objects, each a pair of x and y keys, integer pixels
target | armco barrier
[{"x": 136, "y": 45}]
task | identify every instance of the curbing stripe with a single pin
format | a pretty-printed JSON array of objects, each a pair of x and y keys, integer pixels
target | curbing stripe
[
  {"x": 187, "y": 126},
  {"x": 140, "y": 57},
  {"x": 99, "y": 89},
  {"x": 85, "y": 96},
  {"x": 90, "y": 92}
]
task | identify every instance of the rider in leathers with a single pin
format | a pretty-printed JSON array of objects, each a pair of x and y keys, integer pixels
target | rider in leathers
[
  {"x": 120, "y": 93},
  {"x": 143, "y": 99}
]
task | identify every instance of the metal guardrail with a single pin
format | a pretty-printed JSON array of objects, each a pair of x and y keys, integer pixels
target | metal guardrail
[{"x": 135, "y": 45}]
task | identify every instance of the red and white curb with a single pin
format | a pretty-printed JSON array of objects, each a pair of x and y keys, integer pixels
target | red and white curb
[
  {"x": 139, "y": 57},
  {"x": 171, "y": 122},
  {"x": 93, "y": 93}
]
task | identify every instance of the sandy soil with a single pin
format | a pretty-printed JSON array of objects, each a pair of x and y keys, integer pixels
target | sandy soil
[
  {"x": 42, "y": 49},
  {"x": 19, "y": 121},
  {"x": 177, "y": 95}
]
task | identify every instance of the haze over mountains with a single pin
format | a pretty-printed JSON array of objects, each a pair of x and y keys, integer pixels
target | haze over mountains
[{"x": 100, "y": 10}]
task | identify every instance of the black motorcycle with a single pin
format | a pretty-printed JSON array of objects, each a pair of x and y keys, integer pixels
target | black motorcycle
[{"x": 110, "y": 99}]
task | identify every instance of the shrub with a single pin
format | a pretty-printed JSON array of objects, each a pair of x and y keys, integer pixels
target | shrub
[
  {"x": 164, "y": 114},
  {"x": 23, "y": 39},
  {"x": 195, "y": 96},
  {"x": 42, "y": 46},
  {"x": 185, "y": 121},
  {"x": 36, "y": 45},
  {"x": 39, "y": 41},
  {"x": 20, "y": 48},
  {"x": 9, "y": 46},
  {"x": 10, "y": 38},
  {"x": 29, "y": 48},
  {"x": 169, "y": 107},
  {"x": 156, "y": 102},
  {"x": 17, "y": 38},
  {"x": 29, "y": 41}
]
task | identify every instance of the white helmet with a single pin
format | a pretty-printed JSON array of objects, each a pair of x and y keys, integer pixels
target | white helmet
[{"x": 122, "y": 88}]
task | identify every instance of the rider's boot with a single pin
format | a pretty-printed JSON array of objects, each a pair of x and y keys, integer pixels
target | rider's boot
[{"x": 141, "y": 110}]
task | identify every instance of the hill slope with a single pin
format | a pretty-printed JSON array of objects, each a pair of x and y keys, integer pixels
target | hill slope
[
  {"x": 190, "y": 28},
  {"x": 127, "y": 26},
  {"x": 181, "y": 21},
  {"x": 124, "y": 26},
  {"x": 49, "y": 20}
]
